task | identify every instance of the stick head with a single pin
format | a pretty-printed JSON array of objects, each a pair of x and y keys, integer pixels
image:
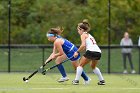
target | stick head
[
  {"x": 44, "y": 72},
  {"x": 24, "y": 79}
]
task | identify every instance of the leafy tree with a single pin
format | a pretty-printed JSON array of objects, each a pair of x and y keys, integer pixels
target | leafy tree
[{"x": 31, "y": 19}]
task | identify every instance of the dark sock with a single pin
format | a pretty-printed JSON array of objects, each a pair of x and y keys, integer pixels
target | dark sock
[
  {"x": 84, "y": 76},
  {"x": 62, "y": 70}
]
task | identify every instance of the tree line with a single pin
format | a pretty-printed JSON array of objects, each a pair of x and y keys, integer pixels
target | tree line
[{"x": 31, "y": 19}]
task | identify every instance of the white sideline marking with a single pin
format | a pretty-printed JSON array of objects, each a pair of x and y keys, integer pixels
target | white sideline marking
[
  {"x": 121, "y": 88},
  {"x": 7, "y": 89},
  {"x": 53, "y": 88},
  {"x": 50, "y": 88},
  {"x": 90, "y": 88}
]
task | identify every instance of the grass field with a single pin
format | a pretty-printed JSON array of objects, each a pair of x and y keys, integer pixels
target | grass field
[{"x": 115, "y": 83}]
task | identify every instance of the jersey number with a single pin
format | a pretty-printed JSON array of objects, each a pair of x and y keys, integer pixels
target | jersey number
[{"x": 93, "y": 41}]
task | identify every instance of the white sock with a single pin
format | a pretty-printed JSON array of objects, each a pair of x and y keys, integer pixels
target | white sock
[
  {"x": 78, "y": 72},
  {"x": 98, "y": 73}
]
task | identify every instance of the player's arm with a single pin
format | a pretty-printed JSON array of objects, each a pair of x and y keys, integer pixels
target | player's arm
[
  {"x": 83, "y": 43},
  {"x": 50, "y": 57},
  {"x": 82, "y": 46},
  {"x": 58, "y": 46},
  {"x": 54, "y": 50}
]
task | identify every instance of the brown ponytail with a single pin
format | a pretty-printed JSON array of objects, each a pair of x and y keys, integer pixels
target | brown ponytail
[
  {"x": 56, "y": 31},
  {"x": 85, "y": 25}
]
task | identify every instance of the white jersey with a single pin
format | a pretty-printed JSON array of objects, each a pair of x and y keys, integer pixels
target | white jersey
[{"x": 91, "y": 44}]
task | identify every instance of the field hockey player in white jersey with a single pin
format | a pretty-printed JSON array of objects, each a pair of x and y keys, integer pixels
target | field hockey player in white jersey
[
  {"x": 62, "y": 50},
  {"x": 92, "y": 54}
]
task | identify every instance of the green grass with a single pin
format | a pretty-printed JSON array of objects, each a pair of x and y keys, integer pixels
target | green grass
[{"x": 115, "y": 83}]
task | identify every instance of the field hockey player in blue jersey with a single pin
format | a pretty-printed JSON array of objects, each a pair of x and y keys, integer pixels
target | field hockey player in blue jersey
[{"x": 62, "y": 50}]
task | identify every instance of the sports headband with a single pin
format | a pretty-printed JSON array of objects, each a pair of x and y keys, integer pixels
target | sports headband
[{"x": 50, "y": 35}]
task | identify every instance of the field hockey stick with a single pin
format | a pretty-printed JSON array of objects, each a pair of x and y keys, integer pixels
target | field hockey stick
[
  {"x": 44, "y": 72},
  {"x": 26, "y": 79}
]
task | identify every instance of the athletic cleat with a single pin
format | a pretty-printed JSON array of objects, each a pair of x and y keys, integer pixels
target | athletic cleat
[
  {"x": 63, "y": 79},
  {"x": 101, "y": 82},
  {"x": 75, "y": 82},
  {"x": 125, "y": 72},
  {"x": 87, "y": 82},
  {"x": 133, "y": 71}
]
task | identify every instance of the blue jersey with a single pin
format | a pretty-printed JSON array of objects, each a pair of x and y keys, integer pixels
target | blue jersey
[{"x": 69, "y": 49}]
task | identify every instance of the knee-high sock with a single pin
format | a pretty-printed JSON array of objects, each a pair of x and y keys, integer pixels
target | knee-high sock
[
  {"x": 78, "y": 72},
  {"x": 98, "y": 73},
  {"x": 85, "y": 77},
  {"x": 62, "y": 70}
]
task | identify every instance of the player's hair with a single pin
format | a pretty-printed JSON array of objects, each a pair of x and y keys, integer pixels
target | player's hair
[
  {"x": 85, "y": 25},
  {"x": 56, "y": 31}
]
